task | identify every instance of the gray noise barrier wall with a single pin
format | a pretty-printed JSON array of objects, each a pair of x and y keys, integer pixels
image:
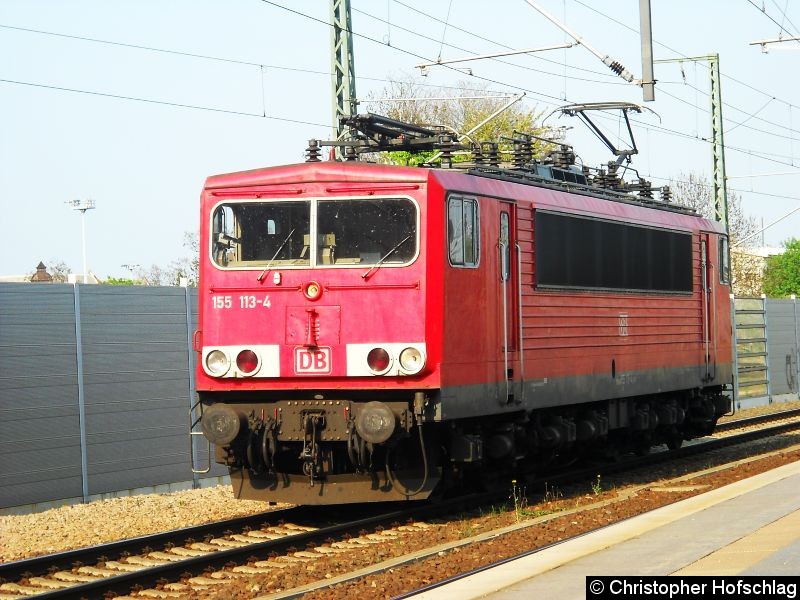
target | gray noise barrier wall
[
  {"x": 96, "y": 385},
  {"x": 767, "y": 347},
  {"x": 95, "y": 390},
  {"x": 40, "y": 442},
  {"x": 782, "y": 337}
]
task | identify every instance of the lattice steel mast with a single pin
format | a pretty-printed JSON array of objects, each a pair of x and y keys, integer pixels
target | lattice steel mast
[
  {"x": 717, "y": 141},
  {"x": 718, "y": 145},
  {"x": 342, "y": 66}
]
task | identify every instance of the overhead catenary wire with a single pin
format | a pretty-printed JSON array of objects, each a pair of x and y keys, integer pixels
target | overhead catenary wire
[
  {"x": 134, "y": 46},
  {"x": 162, "y": 102},
  {"x": 499, "y": 60},
  {"x": 677, "y": 52},
  {"x": 324, "y": 73},
  {"x": 784, "y": 15},
  {"x": 262, "y": 66},
  {"x": 444, "y": 30},
  {"x": 750, "y": 114},
  {"x": 520, "y": 88},
  {"x": 767, "y": 194},
  {"x": 308, "y": 81},
  {"x": 507, "y": 47},
  {"x": 547, "y": 99},
  {"x": 764, "y": 12},
  {"x": 760, "y": 231},
  {"x": 737, "y": 124},
  {"x": 540, "y": 94},
  {"x": 734, "y": 190}
]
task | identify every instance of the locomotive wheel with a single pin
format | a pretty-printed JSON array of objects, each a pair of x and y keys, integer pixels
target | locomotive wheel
[
  {"x": 674, "y": 442},
  {"x": 642, "y": 449},
  {"x": 612, "y": 454}
]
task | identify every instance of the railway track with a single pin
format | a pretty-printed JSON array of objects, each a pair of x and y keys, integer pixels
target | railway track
[
  {"x": 704, "y": 447},
  {"x": 41, "y": 565},
  {"x": 178, "y": 555},
  {"x": 757, "y": 420},
  {"x": 90, "y": 573},
  {"x": 708, "y": 445}
]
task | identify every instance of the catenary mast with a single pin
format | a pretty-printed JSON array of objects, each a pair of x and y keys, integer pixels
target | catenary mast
[{"x": 342, "y": 66}]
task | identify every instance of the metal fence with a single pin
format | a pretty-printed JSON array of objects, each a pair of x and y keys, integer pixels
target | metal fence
[
  {"x": 750, "y": 335},
  {"x": 96, "y": 384},
  {"x": 767, "y": 347},
  {"x": 95, "y": 388}
]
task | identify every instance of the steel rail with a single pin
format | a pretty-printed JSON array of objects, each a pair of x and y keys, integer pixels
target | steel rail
[
  {"x": 576, "y": 475},
  {"x": 749, "y": 421},
  {"x": 707, "y": 446},
  {"x": 148, "y": 577},
  {"x": 41, "y": 565},
  {"x": 174, "y": 571}
]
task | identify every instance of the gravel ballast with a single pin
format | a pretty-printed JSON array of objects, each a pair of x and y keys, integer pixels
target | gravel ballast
[{"x": 78, "y": 525}]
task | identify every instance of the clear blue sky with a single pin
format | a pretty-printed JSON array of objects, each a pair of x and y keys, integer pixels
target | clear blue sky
[{"x": 157, "y": 123}]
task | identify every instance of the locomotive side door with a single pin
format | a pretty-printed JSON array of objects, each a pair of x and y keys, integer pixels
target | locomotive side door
[
  {"x": 709, "y": 305},
  {"x": 509, "y": 302}
]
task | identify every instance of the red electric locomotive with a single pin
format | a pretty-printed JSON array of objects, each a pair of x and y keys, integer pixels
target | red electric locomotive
[{"x": 371, "y": 332}]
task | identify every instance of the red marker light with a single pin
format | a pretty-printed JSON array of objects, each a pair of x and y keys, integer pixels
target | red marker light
[
  {"x": 378, "y": 360},
  {"x": 247, "y": 361}
]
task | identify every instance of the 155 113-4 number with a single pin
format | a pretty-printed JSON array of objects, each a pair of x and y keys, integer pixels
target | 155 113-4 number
[{"x": 245, "y": 301}]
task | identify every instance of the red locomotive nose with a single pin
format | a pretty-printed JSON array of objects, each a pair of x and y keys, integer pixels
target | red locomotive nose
[{"x": 247, "y": 361}]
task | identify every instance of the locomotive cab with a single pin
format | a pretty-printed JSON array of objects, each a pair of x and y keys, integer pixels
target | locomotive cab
[{"x": 314, "y": 360}]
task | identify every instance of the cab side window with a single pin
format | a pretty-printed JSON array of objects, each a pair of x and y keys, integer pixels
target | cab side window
[
  {"x": 724, "y": 261},
  {"x": 462, "y": 231}
]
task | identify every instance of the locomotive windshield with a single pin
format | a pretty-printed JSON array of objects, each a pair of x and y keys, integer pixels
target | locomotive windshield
[{"x": 345, "y": 232}]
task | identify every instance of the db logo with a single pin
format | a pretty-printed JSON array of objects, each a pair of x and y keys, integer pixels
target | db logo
[{"x": 317, "y": 361}]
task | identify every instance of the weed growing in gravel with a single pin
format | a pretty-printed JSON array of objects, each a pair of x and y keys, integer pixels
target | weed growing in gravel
[
  {"x": 520, "y": 501},
  {"x": 551, "y": 494},
  {"x": 597, "y": 489},
  {"x": 539, "y": 512},
  {"x": 523, "y": 510},
  {"x": 497, "y": 512},
  {"x": 466, "y": 531}
]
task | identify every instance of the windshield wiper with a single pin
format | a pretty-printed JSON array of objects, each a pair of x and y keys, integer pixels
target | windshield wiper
[
  {"x": 274, "y": 256},
  {"x": 385, "y": 256}
]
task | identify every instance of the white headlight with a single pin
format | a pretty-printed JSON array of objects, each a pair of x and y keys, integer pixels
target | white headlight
[
  {"x": 217, "y": 363},
  {"x": 411, "y": 361}
]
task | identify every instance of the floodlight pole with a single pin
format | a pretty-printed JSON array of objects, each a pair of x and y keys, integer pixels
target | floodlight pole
[
  {"x": 83, "y": 206},
  {"x": 83, "y": 244}
]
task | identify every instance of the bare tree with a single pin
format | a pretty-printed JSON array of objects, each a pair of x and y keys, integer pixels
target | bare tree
[
  {"x": 696, "y": 192},
  {"x": 191, "y": 241},
  {"x": 459, "y": 110},
  {"x": 153, "y": 275},
  {"x": 59, "y": 270},
  {"x": 187, "y": 266}
]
